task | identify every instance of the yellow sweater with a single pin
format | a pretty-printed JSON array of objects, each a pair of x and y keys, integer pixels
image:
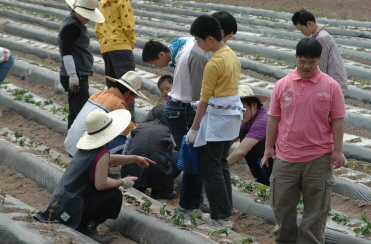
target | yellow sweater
[
  {"x": 221, "y": 75},
  {"x": 117, "y": 31}
]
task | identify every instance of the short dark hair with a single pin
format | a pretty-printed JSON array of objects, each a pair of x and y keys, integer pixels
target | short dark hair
[
  {"x": 251, "y": 100},
  {"x": 308, "y": 48},
  {"x": 156, "y": 113},
  {"x": 227, "y": 22},
  {"x": 206, "y": 25},
  {"x": 163, "y": 78},
  {"x": 302, "y": 17},
  {"x": 152, "y": 49}
]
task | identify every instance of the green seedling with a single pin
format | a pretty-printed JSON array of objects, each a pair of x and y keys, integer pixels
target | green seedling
[
  {"x": 6, "y": 134},
  {"x": 2, "y": 196},
  {"x": 257, "y": 56},
  {"x": 146, "y": 204},
  {"x": 21, "y": 142},
  {"x": 164, "y": 212},
  {"x": 300, "y": 206},
  {"x": 263, "y": 192},
  {"x": 365, "y": 227},
  {"x": 342, "y": 218},
  {"x": 249, "y": 186},
  {"x": 17, "y": 135},
  {"x": 50, "y": 217},
  {"x": 235, "y": 181},
  {"x": 241, "y": 238},
  {"x": 193, "y": 217},
  {"x": 291, "y": 65},
  {"x": 219, "y": 232},
  {"x": 280, "y": 62},
  {"x": 30, "y": 214},
  {"x": 178, "y": 218}
]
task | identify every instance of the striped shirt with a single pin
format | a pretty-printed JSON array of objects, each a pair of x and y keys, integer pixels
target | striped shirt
[
  {"x": 331, "y": 62},
  {"x": 4, "y": 54},
  {"x": 256, "y": 130}
]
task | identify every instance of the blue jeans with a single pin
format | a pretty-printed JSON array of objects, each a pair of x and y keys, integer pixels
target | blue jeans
[
  {"x": 179, "y": 117},
  {"x": 5, "y": 68}
]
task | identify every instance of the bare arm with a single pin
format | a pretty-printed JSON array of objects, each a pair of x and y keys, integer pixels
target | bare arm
[
  {"x": 337, "y": 127},
  {"x": 101, "y": 181},
  {"x": 143, "y": 162},
  {"x": 242, "y": 149},
  {"x": 272, "y": 131}
]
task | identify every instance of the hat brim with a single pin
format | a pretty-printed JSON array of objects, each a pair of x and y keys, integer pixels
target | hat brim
[
  {"x": 261, "y": 98},
  {"x": 95, "y": 15},
  {"x": 139, "y": 93},
  {"x": 120, "y": 120}
]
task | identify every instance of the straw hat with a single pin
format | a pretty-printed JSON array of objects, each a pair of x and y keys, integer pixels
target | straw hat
[
  {"x": 103, "y": 127},
  {"x": 245, "y": 91},
  {"x": 87, "y": 9},
  {"x": 131, "y": 80}
]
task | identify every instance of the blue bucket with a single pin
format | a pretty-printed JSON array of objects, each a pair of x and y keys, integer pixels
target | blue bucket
[{"x": 189, "y": 158}]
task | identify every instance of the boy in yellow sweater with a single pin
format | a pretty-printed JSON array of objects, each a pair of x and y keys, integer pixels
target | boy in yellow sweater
[{"x": 218, "y": 118}]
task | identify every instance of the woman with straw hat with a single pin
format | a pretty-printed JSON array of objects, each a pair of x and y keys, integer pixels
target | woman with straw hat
[
  {"x": 76, "y": 60},
  {"x": 85, "y": 196},
  {"x": 252, "y": 134}
]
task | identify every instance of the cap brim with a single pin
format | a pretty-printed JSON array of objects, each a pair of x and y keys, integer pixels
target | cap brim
[
  {"x": 95, "y": 15},
  {"x": 139, "y": 93},
  {"x": 120, "y": 120}
]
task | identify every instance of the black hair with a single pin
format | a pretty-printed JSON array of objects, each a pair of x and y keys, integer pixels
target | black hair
[
  {"x": 206, "y": 25},
  {"x": 227, "y": 22},
  {"x": 156, "y": 113},
  {"x": 163, "y": 78},
  {"x": 152, "y": 49},
  {"x": 308, "y": 48},
  {"x": 120, "y": 86},
  {"x": 251, "y": 100},
  {"x": 302, "y": 17}
]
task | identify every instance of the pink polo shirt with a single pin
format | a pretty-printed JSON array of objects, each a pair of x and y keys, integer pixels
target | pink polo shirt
[{"x": 305, "y": 107}]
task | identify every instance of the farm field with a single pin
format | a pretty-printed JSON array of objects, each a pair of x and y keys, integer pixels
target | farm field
[{"x": 265, "y": 45}]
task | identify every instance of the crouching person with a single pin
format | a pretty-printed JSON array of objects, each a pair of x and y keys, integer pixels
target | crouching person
[{"x": 85, "y": 197}]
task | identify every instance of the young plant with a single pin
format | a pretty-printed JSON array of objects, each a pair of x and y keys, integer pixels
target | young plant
[
  {"x": 257, "y": 56},
  {"x": 291, "y": 65},
  {"x": 342, "y": 218},
  {"x": 219, "y": 232},
  {"x": 241, "y": 238},
  {"x": 17, "y": 135},
  {"x": 235, "y": 181},
  {"x": 365, "y": 227},
  {"x": 30, "y": 214},
  {"x": 164, "y": 212},
  {"x": 178, "y": 218},
  {"x": 193, "y": 217},
  {"x": 146, "y": 204},
  {"x": 50, "y": 217},
  {"x": 249, "y": 186},
  {"x": 300, "y": 206},
  {"x": 263, "y": 192},
  {"x": 280, "y": 62},
  {"x": 2, "y": 196}
]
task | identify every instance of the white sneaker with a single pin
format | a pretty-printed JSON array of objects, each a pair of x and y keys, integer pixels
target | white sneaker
[{"x": 222, "y": 223}]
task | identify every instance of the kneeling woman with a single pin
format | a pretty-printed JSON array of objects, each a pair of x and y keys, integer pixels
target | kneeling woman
[{"x": 85, "y": 196}]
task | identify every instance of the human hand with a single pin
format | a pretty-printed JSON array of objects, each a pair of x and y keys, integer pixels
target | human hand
[
  {"x": 268, "y": 153},
  {"x": 144, "y": 162},
  {"x": 129, "y": 181},
  {"x": 337, "y": 160},
  {"x": 74, "y": 83},
  {"x": 191, "y": 136}
]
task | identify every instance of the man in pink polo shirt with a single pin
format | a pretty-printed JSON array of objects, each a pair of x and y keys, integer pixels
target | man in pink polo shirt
[{"x": 306, "y": 121}]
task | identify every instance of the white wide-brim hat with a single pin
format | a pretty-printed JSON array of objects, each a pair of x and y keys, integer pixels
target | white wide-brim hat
[
  {"x": 245, "y": 91},
  {"x": 103, "y": 127},
  {"x": 132, "y": 80},
  {"x": 87, "y": 9}
]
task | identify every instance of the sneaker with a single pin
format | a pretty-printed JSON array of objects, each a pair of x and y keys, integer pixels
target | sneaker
[
  {"x": 221, "y": 223},
  {"x": 198, "y": 211}
]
